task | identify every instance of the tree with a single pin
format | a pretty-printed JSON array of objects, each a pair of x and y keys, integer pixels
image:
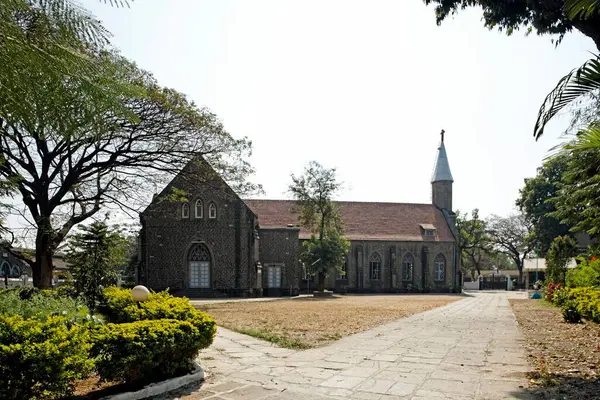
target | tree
[
  {"x": 577, "y": 202},
  {"x": 69, "y": 149},
  {"x": 323, "y": 256},
  {"x": 96, "y": 254},
  {"x": 535, "y": 203},
  {"x": 512, "y": 236},
  {"x": 473, "y": 241},
  {"x": 562, "y": 250},
  {"x": 313, "y": 192},
  {"x": 552, "y": 17}
]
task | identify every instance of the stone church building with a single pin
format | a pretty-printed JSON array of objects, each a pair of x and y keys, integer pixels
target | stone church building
[{"x": 215, "y": 243}]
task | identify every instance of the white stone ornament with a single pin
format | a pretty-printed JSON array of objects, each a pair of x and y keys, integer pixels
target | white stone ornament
[{"x": 140, "y": 293}]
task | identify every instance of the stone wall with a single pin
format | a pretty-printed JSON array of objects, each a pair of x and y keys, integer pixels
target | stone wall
[
  {"x": 281, "y": 247},
  {"x": 168, "y": 236}
]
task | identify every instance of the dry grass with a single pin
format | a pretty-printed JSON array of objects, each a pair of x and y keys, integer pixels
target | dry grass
[
  {"x": 566, "y": 357},
  {"x": 309, "y": 322}
]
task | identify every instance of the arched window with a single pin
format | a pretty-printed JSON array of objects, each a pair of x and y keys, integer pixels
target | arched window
[
  {"x": 185, "y": 210},
  {"x": 408, "y": 263},
  {"x": 212, "y": 211},
  {"x": 199, "y": 209},
  {"x": 375, "y": 266},
  {"x": 5, "y": 269},
  {"x": 440, "y": 267},
  {"x": 199, "y": 266}
]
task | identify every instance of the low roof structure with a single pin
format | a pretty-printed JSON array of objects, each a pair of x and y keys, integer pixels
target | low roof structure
[{"x": 531, "y": 264}]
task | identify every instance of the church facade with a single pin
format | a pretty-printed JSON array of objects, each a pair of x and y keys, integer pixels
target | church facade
[{"x": 214, "y": 243}]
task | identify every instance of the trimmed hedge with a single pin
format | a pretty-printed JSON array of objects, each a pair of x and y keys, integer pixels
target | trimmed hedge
[
  {"x": 42, "y": 359},
  {"x": 119, "y": 307},
  {"x": 146, "y": 351}
]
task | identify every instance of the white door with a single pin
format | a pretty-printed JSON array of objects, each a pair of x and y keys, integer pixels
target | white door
[
  {"x": 274, "y": 276},
  {"x": 199, "y": 274}
]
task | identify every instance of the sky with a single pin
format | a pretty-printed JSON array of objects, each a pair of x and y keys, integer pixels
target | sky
[{"x": 361, "y": 86}]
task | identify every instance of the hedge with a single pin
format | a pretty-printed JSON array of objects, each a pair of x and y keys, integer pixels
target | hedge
[
  {"x": 42, "y": 359},
  {"x": 145, "y": 351},
  {"x": 119, "y": 307}
]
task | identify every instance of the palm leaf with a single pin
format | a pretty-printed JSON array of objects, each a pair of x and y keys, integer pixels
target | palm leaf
[
  {"x": 575, "y": 9},
  {"x": 587, "y": 139},
  {"x": 574, "y": 85}
]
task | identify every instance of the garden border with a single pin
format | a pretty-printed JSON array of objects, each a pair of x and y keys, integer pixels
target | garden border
[{"x": 155, "y": 389}]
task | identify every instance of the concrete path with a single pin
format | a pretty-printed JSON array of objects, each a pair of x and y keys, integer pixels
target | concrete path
[{"x": 469, "y": 349}]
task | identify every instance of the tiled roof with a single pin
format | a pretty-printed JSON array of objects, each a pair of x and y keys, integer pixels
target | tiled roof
[{"x": 363, "y": 220}]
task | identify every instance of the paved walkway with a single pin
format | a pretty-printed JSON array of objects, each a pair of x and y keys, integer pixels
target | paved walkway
[{"x": 469, "y": 349}]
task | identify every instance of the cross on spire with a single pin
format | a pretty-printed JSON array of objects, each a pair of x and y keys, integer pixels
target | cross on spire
[{"x": 442, "y": 134}]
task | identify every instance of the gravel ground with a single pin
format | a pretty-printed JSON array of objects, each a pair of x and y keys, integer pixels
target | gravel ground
[{"x": 566, "y": 357}]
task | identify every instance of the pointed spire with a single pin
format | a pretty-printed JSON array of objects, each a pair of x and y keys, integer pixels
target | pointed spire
[{"x": 442, "y": 168}]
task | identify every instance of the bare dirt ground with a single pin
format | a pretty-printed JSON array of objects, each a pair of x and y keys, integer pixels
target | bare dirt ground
[
  {"x": 566, "y": 357},
  {"x": 309, "y": 322}
]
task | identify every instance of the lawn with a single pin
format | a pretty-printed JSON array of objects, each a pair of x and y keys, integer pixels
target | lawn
[
  {"x": 566, "y": 357},
  {"x": 307, "y": 322}
]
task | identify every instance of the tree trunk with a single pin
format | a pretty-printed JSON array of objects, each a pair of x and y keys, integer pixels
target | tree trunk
[
  {"x": 42, "y": 267},
  {"x": 321, "y": 283}
]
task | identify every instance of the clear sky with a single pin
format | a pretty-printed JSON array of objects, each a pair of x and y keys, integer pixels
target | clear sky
[{"x": 362, "y": 86}]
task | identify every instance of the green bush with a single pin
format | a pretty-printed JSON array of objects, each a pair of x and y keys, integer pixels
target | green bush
[
  {"x": 120, "y": 307},
  {"x": 570, "y": 312},
  {"x": 41, "y": 305},
  {"x": 146, "y": 351},
  {"x": 150, "y": 340},
  {"x": 586, "y": 274},
  {"x": 560, "y": 297},
  {"x": 42, "y": 359}
]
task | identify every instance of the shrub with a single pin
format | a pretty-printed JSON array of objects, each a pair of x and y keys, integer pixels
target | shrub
[
  {"x": 120, "y": 307},
  {"x": 571, "y": 312},
  {"x": 586, "y": 274},
  {"x": 560, "y": 297},
  {"x": 588, "y": 302},
  {"x": 41, "y": 359},
  {"x": 146, "y": 351},
  {"x": 41, "y": 305},
  {"x": 550, "y": 289}
]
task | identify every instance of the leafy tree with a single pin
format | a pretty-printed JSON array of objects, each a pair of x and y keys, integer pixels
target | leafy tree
[
  {"x": 96, "y": 255},
  {"x": 474, "y": 242},
  {"x": 535, "y": 203},
  {"x": 562, "y": 250},
  {"x": 75, "y": 144},
  {"x": 313, "y": 192},
  {"x": 323, "y": 256},
  {"x": 577, "y": 202},
  {"x": 552, "y": 17},
  {"x": 512, "y": 236}
]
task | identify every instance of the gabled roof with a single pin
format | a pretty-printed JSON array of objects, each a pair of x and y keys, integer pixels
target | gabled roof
[
  {"x": 363, "y": 220},
  {"x": 442, "y": 168}
]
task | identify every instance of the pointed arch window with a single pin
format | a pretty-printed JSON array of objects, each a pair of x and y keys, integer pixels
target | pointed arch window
[
  {"x": 199, "y": 209},
  {"x": 440, "y": 267},
  {"x": 408, "y": 263},
  {"x": 375, "y": 267},
  {"x": 212, "y": 211},
  {"x": 185, "y": 210},
  {"x": 199, "y": 261}
]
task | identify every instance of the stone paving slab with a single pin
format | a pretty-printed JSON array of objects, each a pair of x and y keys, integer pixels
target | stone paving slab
[{"x": 469, "y": 349}]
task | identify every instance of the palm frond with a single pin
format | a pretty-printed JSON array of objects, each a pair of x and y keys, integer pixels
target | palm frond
[
  {"x": 587, "y": 139},
  {"x": 575, "y": 9},
  {"x": 574, "y": 85}
]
